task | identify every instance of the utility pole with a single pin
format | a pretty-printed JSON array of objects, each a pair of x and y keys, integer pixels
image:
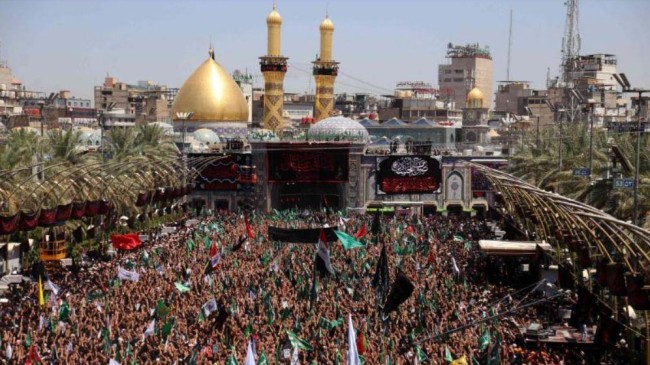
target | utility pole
[
  {"x": 625, "y": 84},
  {"x": 509, "y": 47}
]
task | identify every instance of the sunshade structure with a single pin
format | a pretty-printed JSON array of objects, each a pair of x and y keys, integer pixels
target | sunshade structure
[{"x": 581, "y": 235}]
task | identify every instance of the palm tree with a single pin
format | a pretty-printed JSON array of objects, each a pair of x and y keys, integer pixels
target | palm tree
[{"x": 538, "y": 164}]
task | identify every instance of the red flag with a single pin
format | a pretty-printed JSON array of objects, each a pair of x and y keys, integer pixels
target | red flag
[
  {"x": 361, "y": 232},
  {"x": 249, "y": 229},
  {"x": 213, "y": 249},
  {"x": 361, "y": 344},
  {"x": 410, "y": 229},
  {"x": 432, "y": 258},
  {"x": 32, "y": 357}
]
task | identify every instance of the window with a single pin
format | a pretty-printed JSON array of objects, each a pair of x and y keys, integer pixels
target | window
[
  {"x": 447, "y": 71},
  {"x": 458, "y": 80},
  {"x": 448, "y": 80},
  {"x": 459, "y": 71}
]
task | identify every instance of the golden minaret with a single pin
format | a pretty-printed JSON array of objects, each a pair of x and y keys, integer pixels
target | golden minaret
[
  {"x": 273, "y": 67},
  {"x": 325, "y": 72}
]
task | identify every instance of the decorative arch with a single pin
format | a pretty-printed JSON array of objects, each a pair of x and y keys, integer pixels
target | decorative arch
[{"x": 454, "y": 187}]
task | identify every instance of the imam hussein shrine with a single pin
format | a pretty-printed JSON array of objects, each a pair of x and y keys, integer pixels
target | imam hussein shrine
[{"x": 331, "y": 164}]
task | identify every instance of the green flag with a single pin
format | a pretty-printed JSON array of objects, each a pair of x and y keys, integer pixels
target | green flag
[
  {"x": 484, "y": 341},
  {"x": 298, "y": 342},
  {"x": 28, "y": 340},
  {"x": 328, "y": 325},
  {"x": 421, "y": 356},
  {"x": 64, "y": 311},
  {"x": 348, "y": 241},
  {"x": 181, "y": 288},
  {"x": 206, "y": 242},
  {"x": 458, "y": 238},
  {"x": 167, "y": 328},
  {"x": 448, "y": 356},
  {"x": 231, "y": 360},
  {"x": 262, "y": 360},
  {"x": 407, "y": 250},
  {"x": 190, "y": 245}
]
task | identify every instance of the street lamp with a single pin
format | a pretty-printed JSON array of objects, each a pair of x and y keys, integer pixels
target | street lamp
[
  {"x": 591, "y": 103},
  {"x": 102, "y": 125},
  {"x": 627, "y": 88},
  {"x": 184, "y": 116}
]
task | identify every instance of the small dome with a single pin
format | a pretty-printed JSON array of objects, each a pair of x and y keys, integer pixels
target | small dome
[
  {"x": 274, "y": 18},
  {"x": 205, "y": 135},
  {"x": 475, "y": 95},
  {"x": 327, "y": 25},
  {"x": 338, "y": 129}
]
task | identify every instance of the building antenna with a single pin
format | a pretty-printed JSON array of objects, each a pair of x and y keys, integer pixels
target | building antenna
[
  {"x": 509, "y": 47},
  {"x": 571, "y": 40}
]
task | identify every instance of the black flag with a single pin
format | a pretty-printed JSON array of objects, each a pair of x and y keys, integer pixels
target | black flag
[
  {"x": 380, "y": 280},
  {"x": 239, "y": 243},
  {"x": 399, "y": 293},
  {"x": 375, "y": 224}
]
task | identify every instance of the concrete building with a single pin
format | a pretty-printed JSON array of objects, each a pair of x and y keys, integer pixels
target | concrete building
[
  {"x": 508, "y": 95},
  {"x": 146, "y": 100},
  {"x": 469, "y": 66}
]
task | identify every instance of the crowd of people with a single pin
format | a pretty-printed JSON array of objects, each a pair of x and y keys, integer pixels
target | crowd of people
[{"x": 160, "y": 309}]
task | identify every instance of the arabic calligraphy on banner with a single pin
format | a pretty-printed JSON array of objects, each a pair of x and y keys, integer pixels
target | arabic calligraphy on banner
[
  {"x": 408, "y": 175},
  {"x": 326, "y": 163}
]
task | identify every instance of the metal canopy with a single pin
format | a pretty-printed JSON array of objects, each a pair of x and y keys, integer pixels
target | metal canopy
[{"x": 569, "y": 224}]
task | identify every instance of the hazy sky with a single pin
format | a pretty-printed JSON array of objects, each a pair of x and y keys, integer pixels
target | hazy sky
[{"x": 52, "y": 45}]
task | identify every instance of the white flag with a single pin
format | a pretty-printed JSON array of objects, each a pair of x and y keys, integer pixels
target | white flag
[
  {"x": 113, "y": 362},
  {"x": 455, "y": 266},
  {"x": 250, "y": 357},
  {"x": 151, "y": 329},
  {"x": 209, "y": 307},
  {"x": 294, "y": 357},
  {"x": 124, "y": 274},
  {"x": 353, "y": 354},
  {"x": 9, "y": 353},
  {"x": 54, "y": 288}
]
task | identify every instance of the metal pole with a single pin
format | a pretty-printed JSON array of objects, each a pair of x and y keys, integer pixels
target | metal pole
[
  {"x": 591, "y": 138},
  {"x": 635, "y": 209}
]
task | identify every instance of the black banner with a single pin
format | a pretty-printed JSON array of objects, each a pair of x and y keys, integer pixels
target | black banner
[
  {"x": 301, "y": 235},
  {"x": 322, "y": 162},
  {"x": 223, "y": 174},
  {"x": 408, "y": 175}
]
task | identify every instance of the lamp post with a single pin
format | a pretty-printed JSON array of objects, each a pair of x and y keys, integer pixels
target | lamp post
[
  {"x": 102, "y": 125},
  {"x": 625, "y": 84},
  {"x": 184, "y": 116},
  {"x": 591, "y": 103}
]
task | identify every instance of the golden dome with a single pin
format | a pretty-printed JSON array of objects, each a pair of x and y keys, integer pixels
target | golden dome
[
  {"x": 212, "y": 95},
  {"x": 327, "y": 24},
  {"x": 475, "y": 95},
  {"x": 274, "y": 18}
]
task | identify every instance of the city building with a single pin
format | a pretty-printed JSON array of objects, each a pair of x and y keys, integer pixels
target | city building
[
  {"x": 146, "y": 100},
  {"x": 469, "y": 66}
]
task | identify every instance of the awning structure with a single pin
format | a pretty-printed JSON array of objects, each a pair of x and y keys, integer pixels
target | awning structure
[
  {"x": 577, "y": 230},
  {"x": 512, "y": 248}
]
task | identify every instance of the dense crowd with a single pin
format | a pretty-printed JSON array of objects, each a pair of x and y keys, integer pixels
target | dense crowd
[{"x": 266, "y": 292}]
